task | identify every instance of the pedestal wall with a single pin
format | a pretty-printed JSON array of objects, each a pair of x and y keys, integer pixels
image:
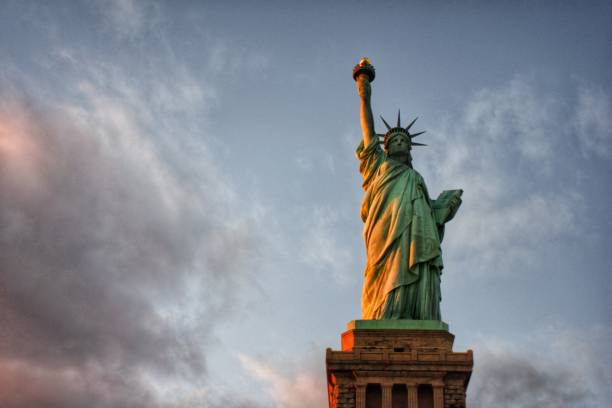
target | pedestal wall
[{"x": 407, "y": 364}]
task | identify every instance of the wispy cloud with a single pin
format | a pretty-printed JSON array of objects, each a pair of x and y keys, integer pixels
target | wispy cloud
[
  {"x": 554, "y": 367},
  {"x": 593, "y": 121},
  {"x": 510, "y": 150},
  {"x": 289, "y": 388},
  {"x": 321, "y": 248},
  {"x": 232, "y": 58},
  {"x": 129, "y": 18}
]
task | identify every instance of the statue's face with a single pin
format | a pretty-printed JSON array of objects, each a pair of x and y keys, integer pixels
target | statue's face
[{"x": 399, "y": 144}]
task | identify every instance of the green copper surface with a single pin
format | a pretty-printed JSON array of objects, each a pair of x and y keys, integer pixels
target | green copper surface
[
  {"x": 395, "y": 324},
  {"x": 403, "y": 225}
]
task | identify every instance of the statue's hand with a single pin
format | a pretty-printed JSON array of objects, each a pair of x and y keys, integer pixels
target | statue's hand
[
  {"x": 455, "y": 202},
  {"x": 363, "y": 87}
]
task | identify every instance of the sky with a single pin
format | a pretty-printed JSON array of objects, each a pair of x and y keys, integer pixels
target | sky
[{"x": 179, "y": 194}]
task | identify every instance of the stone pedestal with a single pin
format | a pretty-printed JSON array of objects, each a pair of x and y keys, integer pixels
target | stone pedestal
[{"x": 397, "y": 364}]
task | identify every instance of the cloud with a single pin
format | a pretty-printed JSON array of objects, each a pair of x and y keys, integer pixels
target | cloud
[
  {"x": 507, "y": 150},
  {"x": 593, "y": 121},
  {"x": 503, "y": 236},
  {"x": 230, "y": 400},
  {"x": 516, "y": 113},
  {"x": 130, "y": 18},
  {"x": 120, "y": 251},
  {"x": 554, "y": 367},
  {"x": 68, "y": 387},
  {"x": 289, "y": 388},
  {"x": 229, "y": 57},
  {"x": 321, "y": 249}
]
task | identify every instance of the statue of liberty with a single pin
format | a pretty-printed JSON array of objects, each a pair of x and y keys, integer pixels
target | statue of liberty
[{"x": 403, "y": 226}]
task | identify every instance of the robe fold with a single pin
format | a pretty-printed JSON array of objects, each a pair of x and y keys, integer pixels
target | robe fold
[{"x": 402, "y": 239}]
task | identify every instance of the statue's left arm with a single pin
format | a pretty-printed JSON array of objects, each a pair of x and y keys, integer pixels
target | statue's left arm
[{"x": 445, "y": 207}]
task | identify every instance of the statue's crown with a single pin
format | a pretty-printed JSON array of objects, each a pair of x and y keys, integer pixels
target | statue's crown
[{"x": 392, "y": 131}]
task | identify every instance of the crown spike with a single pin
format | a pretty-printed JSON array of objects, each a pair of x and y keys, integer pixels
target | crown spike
[
  {"x": 416, "y": 134},
  {"x": 417, "y": 144},
  {"x": 385, "y": 122},
  {"x": 411, "y": 123},
  {"x": 398, "y": 119}
]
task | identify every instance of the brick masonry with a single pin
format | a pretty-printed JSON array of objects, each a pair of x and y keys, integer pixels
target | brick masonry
[{"x": 405, "y": 357}]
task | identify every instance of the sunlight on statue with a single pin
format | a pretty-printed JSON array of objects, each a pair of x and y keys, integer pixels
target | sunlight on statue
[{"x": 403, "y": 225}]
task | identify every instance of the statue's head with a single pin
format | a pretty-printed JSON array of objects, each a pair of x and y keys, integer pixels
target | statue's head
[
  {"x": 397, "y": 143},
  {"x": 398, "y": 140},
  {"x": 398, "y": 147}
]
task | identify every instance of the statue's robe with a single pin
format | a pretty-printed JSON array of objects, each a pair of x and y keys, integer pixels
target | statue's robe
[{"x": 402, "y": 234}]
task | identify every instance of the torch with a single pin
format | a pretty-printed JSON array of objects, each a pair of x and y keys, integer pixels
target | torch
[{"x": 364, "y": 67}]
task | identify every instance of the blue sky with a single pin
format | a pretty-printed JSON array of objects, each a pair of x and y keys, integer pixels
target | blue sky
[{"x": 179, "y": 195}]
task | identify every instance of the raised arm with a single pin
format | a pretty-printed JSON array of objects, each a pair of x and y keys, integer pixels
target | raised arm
[{"x": 367, "y": 122}]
